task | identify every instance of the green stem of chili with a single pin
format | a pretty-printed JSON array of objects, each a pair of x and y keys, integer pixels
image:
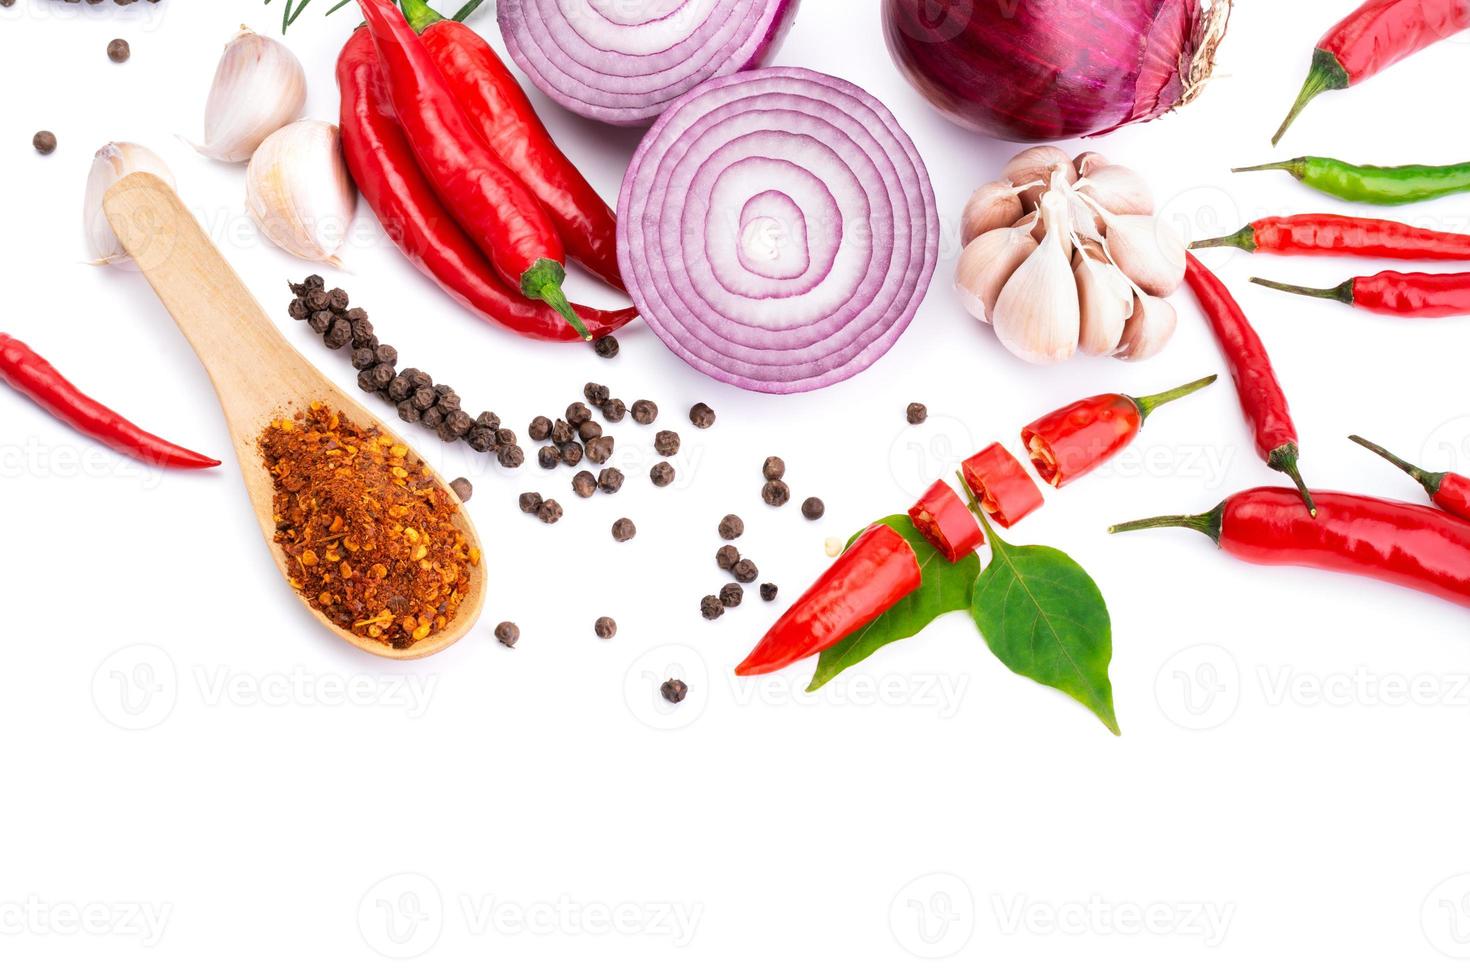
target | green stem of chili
[
  {"x": 1243, "y": 239},
  {"x": 1342, "y": 293},
  {"x": 1207, "y": 524},
  {"x": 1148, "y": 403},
  {"x": 1326, "y": 75},
  {"x": 1429, "y": 481}
]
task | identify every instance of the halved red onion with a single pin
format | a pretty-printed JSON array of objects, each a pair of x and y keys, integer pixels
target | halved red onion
[
  {"x": 777, "y": 229},
  {"x": 624, "y": 61}
]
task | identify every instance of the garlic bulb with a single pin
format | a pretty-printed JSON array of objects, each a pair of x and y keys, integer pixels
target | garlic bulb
[
  {"x": 993, "y": 205},
  {"x": 1087, "y": 163},
  {"x": 1148, "y": 251},
  {"x": 1120, "y": 190},
  {"x": 987, "y": 264},
  {"x": 1038, "y": 314},
  {"x": 1038, "y": 163},
  {"x": 299, "y": 192},
  {"x": 112, "y": 163},
  {"x": 1148, "y": 330},
  {"x": 258, "y": 87},
  {"x": 1106, "y": 299}
]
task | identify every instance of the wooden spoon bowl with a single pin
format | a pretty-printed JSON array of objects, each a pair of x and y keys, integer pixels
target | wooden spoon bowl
[{"x": 258, "y": 376}]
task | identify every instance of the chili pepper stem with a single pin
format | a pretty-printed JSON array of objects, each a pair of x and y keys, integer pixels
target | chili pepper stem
[
  {"x": 543, "y": 281},
  {"x": 1243, "y": 239},
  {"x": 1209, "y": 524},
  {"x": 1342, "y": 292},
  {"x": 1429, "y": 481},
  {"x": 1296, "y": 166},
  {"x": 420, "y": 15},
  {"x": 1283, "y": 459},
  {"x": 1148, "y": 403},
  {"x": 1326, "y": 75}
]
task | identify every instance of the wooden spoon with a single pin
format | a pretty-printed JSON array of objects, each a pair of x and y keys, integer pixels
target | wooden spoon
[{"x": 257, "y": 375}]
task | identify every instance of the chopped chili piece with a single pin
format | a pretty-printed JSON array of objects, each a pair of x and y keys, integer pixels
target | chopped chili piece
[
  {"x": 946, "y": 522},
  {"x": 1001, "y": 484}
]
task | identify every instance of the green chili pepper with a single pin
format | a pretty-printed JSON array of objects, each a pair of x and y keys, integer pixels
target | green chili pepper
[{"x": 1374, "y": 185}]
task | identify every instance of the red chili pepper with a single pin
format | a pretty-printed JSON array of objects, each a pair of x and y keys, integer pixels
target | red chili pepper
[
  {"x": 498, "y": 108},
  {"x": 869, "y": 578},
  {"x": 1073, "y": 441},
  {"x": 945, "y": 522},
  {"x": 33, "y": 376},
  {"x": 1450, "y": 491},
  {"x": 1255, "y": 380},
  {"x": 1411, "y": 294},
  {"x": 1377, "y": 35},
  {"x": 1002, "y": 487},
  {"x": 1335, "y": 234},
  {"x": 1406, "y": 544},
  {"x": 383, "y": 165},
  {"x": 490, "y": 202}
]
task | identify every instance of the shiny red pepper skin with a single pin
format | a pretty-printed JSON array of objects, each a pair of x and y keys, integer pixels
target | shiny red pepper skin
[
  {"x": 1002, "y": 486},
  {"x": 383, "y": 165},
  {"x": 498, "y": 108},
  {"x": 1421, "y": 295},
  {"x": 1261, "y": 396},
  {"x": 867, "y": 580},
  {"x": 1409, "y": 545},
  {"x": 945, "y": 522},
  {"x": 488, "y": 200},
  {"x": 1335, "y": 234},
  {"x": 33, "y": 376},
  {"x": 1449, "y": 491}
]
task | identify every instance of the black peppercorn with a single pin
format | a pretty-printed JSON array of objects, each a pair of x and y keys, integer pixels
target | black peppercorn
[
  {"x": 584, "y": 484},
  {"x": 774, "y": 468},
  {"x": 362, "y": 332},
  {"x": 388, "y": 354},
  {"x": 550, "y": 512},
  {"x": 338, "y": 337},
  {"x": 458, "y": 422},
  {"x": 44, "y": 143},
  {"x": 673, "y": 691},
  {"x": 549, "y": 457},
  {"x": 530, "y": 502},
  {"x": 364, "y": 358},
  {"x": 448, "y": 399},
  {"x": 727, "y": 557},
  {"x": 577, "y": 413},
  {"x": 610, "y": 480},
  {"x": 432, "y": 416},
  {"x": 571, "y": 454},
  {"x": 645, "y": 412},
  {"x": 731, "y": 596},
  {"x": 623, "y": 530},
  {"x": 400, "y": 388},
  {"x": 745, "y": 571},
  {"x": 316, "y": 296},
  {"x": 481, "y": 439},
  {"x": 776, "y": 493},
  {"x": 488, "y": 420},
  {"x": 917, "y": 413},
  {"x": 424, "y": 399},
  {"x": 562, "y": 432},
  {"x": 600, "y": 450},
  {"x": 463, "y": 489},
  {"x": 337, "y": 300},
  {"x": 606, "y": 347},
  {"x": 119, "y": 50},
  {"x": 314, "y": 282},
  {"x": 321, "y": 321},
  {"x": 588, "y": 431},
  {"x": 666, "y": 443},
  {"x": 356, "y": 313},
  {"x": 408, "y": 412},
  {"x": 812, "y": 508},
  {"x": 614, "y": 410},
  {"x": 365, "y": 381},
  {"x": 539, "y": 429},
  {"x": 702, "y": 416},
  {"x": 510, "y": 456},
  {"x": 605, "y": 628},
  {"x": 731, "y": 527},
  {"x": 595, "y": 394},
  {"x": 768, "y": 591},
  {"x": 710, "y": 607},
  {"x": 662, "y": 474},
  {"x": 297, "y": 310},
  {"x": 508, "y": 634},
  {"x": 506, "y": 437}
]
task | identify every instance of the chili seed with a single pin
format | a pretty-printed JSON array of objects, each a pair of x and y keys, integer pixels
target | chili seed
[
  {"x": 710, "y": 607},
  {"x": 673, "y": 691},
  {"x": 702, "y": 416},
  {"x": 45, "y": 144},
  {"x": 812, "y": 508},
  {"x": 614, "y": 410},
  {"x": 745, "y": 571},
  {"x": 610, "y": 480},
  {"x": 731, "y": 596},
  {"x": 561, "y": 431},
  {"x": 595, "y": 394},
  {"x": 588, "y": 431},
  {"x": 623, "y": 530},
  {"x": 577, "y": 413},
  {"x": 508, "y": 634},
  {"x": 600, "y": 450},
  {"x": 606, "y": 347},
  {"x": 774, "y": 468},
  {"x": 571, "y": 454},
  {"x": 584, "y": 484},
  {"x": 119, "y": 50},
  {"x": 550, "y": 512},
  {"x": 605, "y": 628},
  {"x": 776, "y": 493},
  {"x": 917, "y": 413},
  {"x": 727, "y": 557},
  {"x": 549, "y": 457},
  {"x": 768, "y": 591},
  {"x": 645, "y": 412},
  {"x": 463, "y": 489},
  {"x": 666, "y": 443},
  {"x": 530, "y": 502},
  {"x": 662, "y": 474},
  {"x": 510, "y": 456},
  {"x": 540, "y": 429},
  {"x": 731, "y": 527}
]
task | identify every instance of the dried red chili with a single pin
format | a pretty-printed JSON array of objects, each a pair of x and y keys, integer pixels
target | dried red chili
[
  {"x": 1450, "y": 491},
  {"x": 946, "y": 522},
  {"x": 1002, "y": 487},
  {"x": 369, "y": 534}
]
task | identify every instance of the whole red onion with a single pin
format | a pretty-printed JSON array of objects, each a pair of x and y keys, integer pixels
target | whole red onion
[{"x": 1033, "y": 71}]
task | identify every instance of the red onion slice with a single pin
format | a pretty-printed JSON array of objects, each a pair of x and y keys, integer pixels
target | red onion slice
[
  {"x": 777, "y": 229},
  {"x": 624, "y": 61}
]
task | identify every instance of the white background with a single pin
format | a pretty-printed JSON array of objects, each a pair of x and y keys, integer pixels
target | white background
[{"x": 177, "y": 740}]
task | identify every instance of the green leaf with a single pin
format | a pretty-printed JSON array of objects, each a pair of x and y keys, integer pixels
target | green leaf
[
  {"x": 945, "y": 589},
  {"x": 1045, "y": 618}
]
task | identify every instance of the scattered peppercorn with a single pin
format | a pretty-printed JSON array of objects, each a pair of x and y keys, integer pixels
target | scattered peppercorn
[
  {"x": 584, "y": 484},
  {"x": 549, "y": 457},
  {"x": 812, "y": 508},
  {"x": 550, "y": 512},
  {"x": 595, "y": 394},
  {"x": 606, "y": 347},
  {"x": 702, "y": 416},
  {"x": 774, "y": 468},
  {"x": 571, "y": 453},
  {"x": 623, "y": 530},
  {"x": 509, "y": 634},
  {"x": 768, "y": 591},
  {"x": 463, "y": 489},
  {"x": 731, "y": 596},
  {"x": 510, "y": 456},
  {"x": 44, "y": 142},
  {"x": 645, "y": 412},
  {"x": 119, "y": 50},
  {"x": 600, "y": 450},
  {"x": 776, "y": 493},
  {"x": 613, "y": 410},
  {"x": 530, "y": 502},
  {"x": 731, "y": 527},
  {"x": 610, "y": 480},
  {"x": 540, "y": 429},
  {"x": 727, "y": 557},
  {"x": 662, "y": 474},
  {"x": 673, "y": 690},
  {"x": 588, "y": 431},
  {"x": 917, "y": 413},
  {"x": 666, "y": 443},
  {"x": 710, "y": 607},
  {"x": 745, "y": 571},
  {"x": 605, "y": 628},
  {"x": 577, "y": 413}
]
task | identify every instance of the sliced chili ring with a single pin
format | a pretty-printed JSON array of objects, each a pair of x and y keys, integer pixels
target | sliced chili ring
[
  {"x": 944, "y": 520},
  {"x": 998, "y": 480}
]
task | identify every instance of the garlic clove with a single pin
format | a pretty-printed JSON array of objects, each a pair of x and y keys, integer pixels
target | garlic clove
[
  {"x": 1106, "y": 301},
  {"x": 112, "y": 163},
  {"x": 1148, "y": 251},
  {"x": 987, "y": 264},
  {"x": 1089, "y": 162},
  {"x": 993, "y": 205},
  {"x": 299, "y": 192},
  {"x": 1148, "y": 330},
  {"x": 259, "y": 86},
  {"x": 1038, "y": 313},
  {"x": 1120, "y": 190},
  {"x": 1038, "y": 163}
]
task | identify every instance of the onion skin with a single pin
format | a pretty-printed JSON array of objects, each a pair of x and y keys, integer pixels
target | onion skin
[{"x": 1034, "y": 72}]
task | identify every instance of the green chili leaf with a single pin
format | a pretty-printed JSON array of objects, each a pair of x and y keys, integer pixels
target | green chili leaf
[
  {"x": 945, "y": 589},
  {"x": 1045, "y": 618}
]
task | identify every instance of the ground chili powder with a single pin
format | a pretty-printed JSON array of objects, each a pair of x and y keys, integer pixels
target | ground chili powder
[{"x": 368, "y": 534}]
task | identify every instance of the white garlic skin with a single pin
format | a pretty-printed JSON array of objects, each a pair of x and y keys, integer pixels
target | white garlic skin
[
  {"x": 1038, "y": 314},
  {"x": 112, "y": 163},
  {"x": 1148, "y": 330},
  {"x": 987, "y": 264},
  {"x": 993, "y": 205},
  {"x": 299, "y": 192},
  {"x": 1038, "y": 163},
  {"x": 1148, "y": 251},
  {"x": 1106, "y": 300},
  {"x": 259, "y": 86}
]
